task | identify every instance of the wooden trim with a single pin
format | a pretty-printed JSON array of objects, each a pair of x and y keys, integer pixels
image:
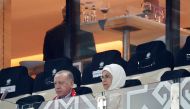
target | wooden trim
[
  {"x": 5, "y": 33},
  {"x": 1, "y": 32}
]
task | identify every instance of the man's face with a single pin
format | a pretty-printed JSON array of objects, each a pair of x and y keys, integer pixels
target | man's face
[{"x": 63, "y": 84}]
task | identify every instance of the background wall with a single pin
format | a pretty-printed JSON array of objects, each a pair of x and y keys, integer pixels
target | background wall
[
  {"x": 1, "y": 33},
  {"x": 5, "y": 33},
  {"x": 30, "y": 19}
]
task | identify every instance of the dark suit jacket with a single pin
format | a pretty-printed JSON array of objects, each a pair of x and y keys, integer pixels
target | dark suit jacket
[{"x": 54, "y": 43}]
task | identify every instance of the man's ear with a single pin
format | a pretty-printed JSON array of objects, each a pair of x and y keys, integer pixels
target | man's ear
[{"x": 63, "y": 10}]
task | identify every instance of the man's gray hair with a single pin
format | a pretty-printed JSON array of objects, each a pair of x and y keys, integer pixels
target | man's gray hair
[{"x": 69, "y": 73}]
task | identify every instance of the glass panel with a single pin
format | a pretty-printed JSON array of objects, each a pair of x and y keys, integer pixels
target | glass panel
[
  {"x": 30, "y": 20},
  {"x": 161, "y": 95},
  {"x": 123, "y": 23},
  {"x": 7, "y": 105},
  {"x": 78, "y": 102},
  {"x": 184, "y": 21},
  {"x": 152, "y": 96},
  {"x": 185, "y": 93}
]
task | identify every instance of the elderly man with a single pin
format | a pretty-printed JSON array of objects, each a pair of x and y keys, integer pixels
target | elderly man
[{"x": 63, "y": 82}]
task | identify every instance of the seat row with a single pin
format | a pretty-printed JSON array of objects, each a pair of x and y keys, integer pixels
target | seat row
[{"x": 150, "y": 63}]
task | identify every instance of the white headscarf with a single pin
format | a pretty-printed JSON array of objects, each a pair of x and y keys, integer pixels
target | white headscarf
[{"x": 118, "y": 74}]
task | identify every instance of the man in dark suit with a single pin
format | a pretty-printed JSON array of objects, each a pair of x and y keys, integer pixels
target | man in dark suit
[{"x": 56, "y": 38}]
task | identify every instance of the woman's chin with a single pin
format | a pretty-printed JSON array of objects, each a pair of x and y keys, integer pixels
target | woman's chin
[{"x": 106, "y": 87}]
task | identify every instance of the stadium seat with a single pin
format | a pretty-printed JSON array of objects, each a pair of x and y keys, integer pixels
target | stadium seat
[
  {"x": 131, "y": 83},
  {"x": 149, "y": 62},
  {"x": 83, "y": 90},
  {"x": 33, "y": 101},
  {"x": 175, "y": 74},
  {"x": 182, "y": 60},
  {"x": 91, "y": 74},
  {"x": 18, "y": 77}
]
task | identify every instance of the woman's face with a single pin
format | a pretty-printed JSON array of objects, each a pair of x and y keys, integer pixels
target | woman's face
[{"x": 106, "y": 79}]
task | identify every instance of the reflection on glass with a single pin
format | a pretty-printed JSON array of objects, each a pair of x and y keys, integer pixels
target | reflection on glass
[
  {"x": 104, "y": 7},
  {"x": 93, "y": 13},
  {"x": 159, "y": 15},
  {"x": 147, "y": 9},
  {"x": 126, "y": 13},
  {"x": 153, "y": 11},
  {"x": 88, "y": 12},
  {"x": 82, "y": 10}
]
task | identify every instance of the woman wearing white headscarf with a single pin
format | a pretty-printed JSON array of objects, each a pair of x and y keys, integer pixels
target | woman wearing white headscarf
[{"x": 113, "y": 77}]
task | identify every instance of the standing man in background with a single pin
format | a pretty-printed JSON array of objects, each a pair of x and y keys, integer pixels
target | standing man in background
[{"x": 56, "y": 39}]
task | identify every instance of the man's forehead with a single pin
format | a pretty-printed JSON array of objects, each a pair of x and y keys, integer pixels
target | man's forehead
[
  {"x": 61, "y": 78},
  {"x": 63, "y": 74}
]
